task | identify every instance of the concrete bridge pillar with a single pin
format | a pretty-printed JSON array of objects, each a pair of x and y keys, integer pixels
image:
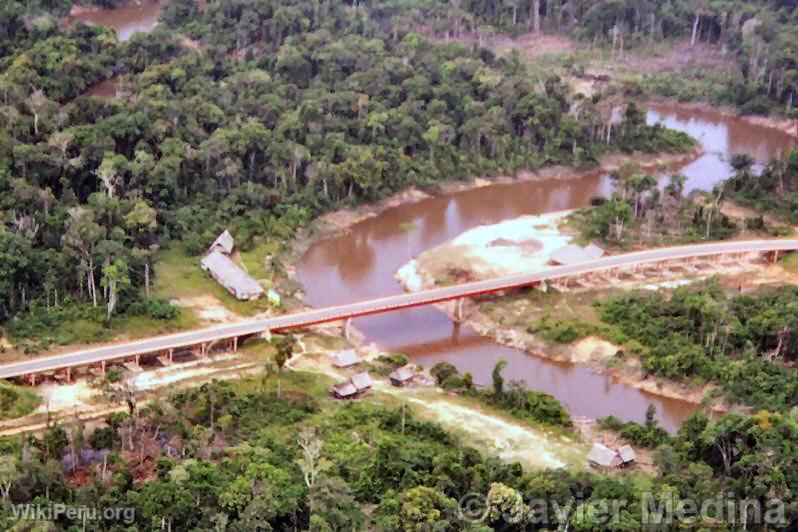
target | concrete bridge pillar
[
  {"x": 69, "y": 375},
  {"x": 32, "y": 379},
  {"x": 102, "y": 368},
  {"x": 171, "y": 355},
  {"x": 235, "y": 344},
  {"x": 458, "y": 310},
  {"x": 347, "y": 328}
]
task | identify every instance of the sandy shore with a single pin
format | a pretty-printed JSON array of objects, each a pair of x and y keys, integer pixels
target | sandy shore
[{"x": 473, "y": 256}]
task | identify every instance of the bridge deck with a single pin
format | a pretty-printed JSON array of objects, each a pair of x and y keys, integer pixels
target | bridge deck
[{"x": 386, "y": 304}]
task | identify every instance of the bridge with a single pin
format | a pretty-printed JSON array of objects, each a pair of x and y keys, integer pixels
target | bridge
[{"x": 199, "y": 341}]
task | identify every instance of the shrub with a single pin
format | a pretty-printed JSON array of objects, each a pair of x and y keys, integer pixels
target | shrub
[
  {"x": 443, "y": 371},
  {"x": 156, "y": 308}
]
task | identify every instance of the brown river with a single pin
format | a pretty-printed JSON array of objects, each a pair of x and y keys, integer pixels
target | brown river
[{"x": 362, "y": 263}]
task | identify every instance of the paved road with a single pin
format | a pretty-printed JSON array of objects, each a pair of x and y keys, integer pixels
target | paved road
[{"x": 426, "y": 297}]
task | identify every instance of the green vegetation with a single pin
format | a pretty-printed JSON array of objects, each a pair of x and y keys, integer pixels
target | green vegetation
[
  {"x": 648, "y": 435},
  {"x": 774, "y": 191},
  {"x": 233, "y": 452},
  {"x": 41, "y": 328},
  {"x": 16, "y": 401},
  {"x": 746, "y": 343},
  {"x": 288, "y": 110},
  {"x": 759, "y": 35},
  {"x": 512, "y": 398},
  {"x": 640, "y": 214}
]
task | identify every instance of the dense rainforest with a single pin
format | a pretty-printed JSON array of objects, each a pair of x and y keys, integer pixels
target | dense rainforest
[
  {"x": 235, "y": 455},
  {"x": 288, "y": 109},
  {"x": 277, "y": 111}
]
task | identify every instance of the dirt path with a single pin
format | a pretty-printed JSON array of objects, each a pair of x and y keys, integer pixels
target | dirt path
[{"x": 509, "y": 439}]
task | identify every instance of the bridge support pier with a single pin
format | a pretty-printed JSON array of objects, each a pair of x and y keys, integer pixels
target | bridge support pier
[
  {"x": 171, "y": 355},
  {"x": 235, "y": 344},
  {"x": 69, "y": 375},
  {"x": 347, "y": 328},
  {"x": 775, "y": 257},
  {"x": 102, "y": 368},
  {"x": 458, "y": 310},
  {"x": 32, "y": 379},
  {"x": 266, "y": 335}
]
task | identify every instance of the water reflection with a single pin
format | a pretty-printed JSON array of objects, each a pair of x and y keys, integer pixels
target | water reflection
[{"x": 362, "y": 264}]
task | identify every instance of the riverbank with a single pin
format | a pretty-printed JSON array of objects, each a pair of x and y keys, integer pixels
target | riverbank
[
  {"x": 524, "y": 244},
  {"x": 779, "y": 123},
  {"x": 338, "y": 222}
]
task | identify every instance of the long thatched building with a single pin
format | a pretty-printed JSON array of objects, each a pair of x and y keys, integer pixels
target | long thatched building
[{"x": 229, "y": 274}]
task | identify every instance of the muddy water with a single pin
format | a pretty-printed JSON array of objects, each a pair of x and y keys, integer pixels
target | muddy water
[
  {"x": 362, "y": 264},
  {"x": 721, "y": 137},
  {"x": 126, "y": 19}
]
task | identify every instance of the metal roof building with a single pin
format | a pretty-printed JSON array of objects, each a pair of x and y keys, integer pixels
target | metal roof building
[
  {"x": 344, "y": 359},
  {"x": 224, "y": 243},
  {"x": 344, "y": 390},
  {"x": 573, "y": 254},
  {"x": 627, "y": 454},
  {"x": 361, "y": 381},
  {"x": 230, "y": 275},
  {"x": 402, "y": 376},
  {"x": 602, "y": 456}
]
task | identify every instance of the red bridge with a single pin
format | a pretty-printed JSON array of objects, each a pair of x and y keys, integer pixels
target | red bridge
[{"x": 588, "y": 273}]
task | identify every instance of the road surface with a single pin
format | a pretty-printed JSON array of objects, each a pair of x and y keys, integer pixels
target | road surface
[{"x": 331, "y": 314}]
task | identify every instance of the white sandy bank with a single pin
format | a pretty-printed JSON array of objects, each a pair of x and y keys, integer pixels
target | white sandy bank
[{"x": 511, "y": 247}]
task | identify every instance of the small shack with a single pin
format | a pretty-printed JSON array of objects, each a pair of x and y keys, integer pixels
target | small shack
[
  {"x": 224, "y": 243},
  {"x": 602, "y": 457},
  {"x": 402, "y": 376},
  {"x": 627, "y": 455},
  {"x": 362, "y": 382},
  {"x": 345, "y": 359},
  {"x": 230, "y": 275},
  {"x": 344, "y": 390},
  {"x": 573, "y": 254}
]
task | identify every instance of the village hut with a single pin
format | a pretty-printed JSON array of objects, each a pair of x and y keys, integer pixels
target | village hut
[
  {"x": 344, "y": 390},
  {"x": 627, "y": 455},
  {"x": 224, "y": 243},
  {"x": 345, "y": 359},
  {"x": 602, "y": 457},
  {"x": 228, "y": 274},
  {"x": 402, "y": 376},
  {"x": 362, "y": 382}
]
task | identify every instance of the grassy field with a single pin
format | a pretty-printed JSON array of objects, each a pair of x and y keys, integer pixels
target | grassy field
[
  {"x": 790, "y": 263},
  {"x": 179, "y": 276},
  {"x": 17, "y": 401}
]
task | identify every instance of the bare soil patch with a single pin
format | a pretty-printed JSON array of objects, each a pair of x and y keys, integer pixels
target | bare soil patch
[{"x": 681, "y": 58}]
